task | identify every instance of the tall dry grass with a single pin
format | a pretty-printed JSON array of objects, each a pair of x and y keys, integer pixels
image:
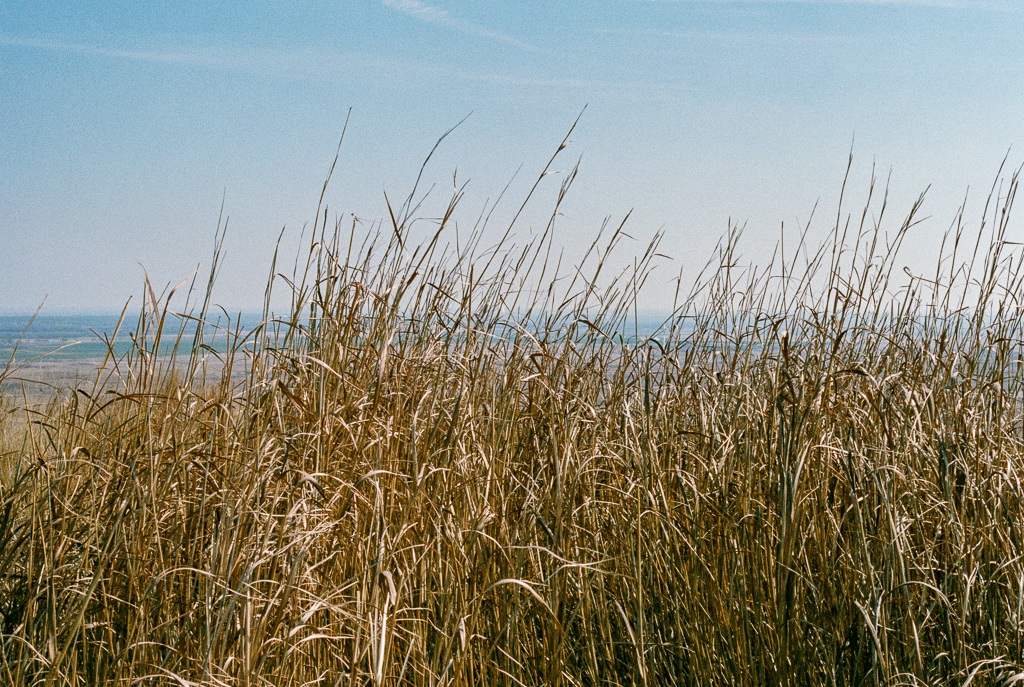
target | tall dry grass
[{"x": 448, "y": 465}]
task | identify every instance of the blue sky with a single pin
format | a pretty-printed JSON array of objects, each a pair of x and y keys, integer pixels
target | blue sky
[{"x": 126, "y": 125}]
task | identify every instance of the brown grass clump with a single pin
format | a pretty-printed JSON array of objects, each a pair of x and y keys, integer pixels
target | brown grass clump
[{"x": 436, "y": 473}]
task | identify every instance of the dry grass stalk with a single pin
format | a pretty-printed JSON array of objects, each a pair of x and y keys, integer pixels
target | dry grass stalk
[{"x": 433, "y": 474}]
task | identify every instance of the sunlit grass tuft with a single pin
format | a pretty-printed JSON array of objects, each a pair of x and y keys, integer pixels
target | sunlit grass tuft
[{"x": 448, "y": 465}]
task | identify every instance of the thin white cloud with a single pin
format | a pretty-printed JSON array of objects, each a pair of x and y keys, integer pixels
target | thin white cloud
[
  {"x": 441, "y": 17},
  {"x": 289, "y": 63},
  {"x": 305, "y": 64},
  {"x": 177, "y": 56}
]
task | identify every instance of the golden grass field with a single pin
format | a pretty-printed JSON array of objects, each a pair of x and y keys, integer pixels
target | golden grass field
[{"x": 431, "y": 473}]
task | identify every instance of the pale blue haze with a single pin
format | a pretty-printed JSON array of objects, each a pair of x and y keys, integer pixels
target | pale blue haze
[{"x": 125, "y": 125}]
